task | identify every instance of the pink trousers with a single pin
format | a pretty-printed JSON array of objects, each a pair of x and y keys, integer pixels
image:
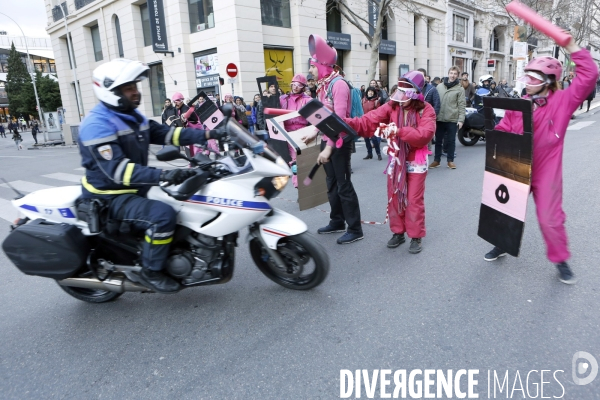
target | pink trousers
[{"x": 412, "y": 219}]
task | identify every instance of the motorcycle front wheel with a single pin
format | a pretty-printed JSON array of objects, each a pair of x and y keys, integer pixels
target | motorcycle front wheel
[
  {"x": 306, "y": 262},
  {"x": 466, "y": 137}
]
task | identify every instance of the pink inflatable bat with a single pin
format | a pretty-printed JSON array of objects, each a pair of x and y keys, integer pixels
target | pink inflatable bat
[{"x": 538, "y": 22}]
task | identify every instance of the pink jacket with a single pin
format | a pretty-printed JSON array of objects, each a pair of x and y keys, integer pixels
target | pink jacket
[
  {"x": 294, "y": 102},
  {"x": 417, "y": 138},
  {"x": 550, "y": 122},
  {"x": 342, "y": 102}
]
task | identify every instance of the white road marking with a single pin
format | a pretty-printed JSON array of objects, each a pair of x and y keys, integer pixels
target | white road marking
[
  {"x": 7, "y": 211},
  {"x": 16, "y": 157},
  {"x": 580, "y": 125},
  {"x": 64, "y": 177},
  {"x": 80, "y": 169},
  {"x": 26, "y": 186}
]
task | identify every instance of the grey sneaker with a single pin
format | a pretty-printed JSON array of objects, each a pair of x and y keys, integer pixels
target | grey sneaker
[
  {"x": 396, "y": 240},
  {"x": 565, "y": 275},
  {"x": 415, "y": 246},
  {"x": 494, "y": 254}
]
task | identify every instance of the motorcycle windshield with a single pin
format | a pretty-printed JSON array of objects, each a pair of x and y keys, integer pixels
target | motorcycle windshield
[
  {"x": 482, "y": 92},
  {"x": 240, "y": 136}
]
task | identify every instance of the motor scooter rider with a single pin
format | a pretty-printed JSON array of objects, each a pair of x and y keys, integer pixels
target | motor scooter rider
[
  {"x": 482, "y": 90},
  {"x": 114, "y": 141}
]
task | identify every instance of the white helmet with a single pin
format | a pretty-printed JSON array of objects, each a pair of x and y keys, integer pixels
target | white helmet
[
  {"x": 113, "y": 74},
  {"x": 484, "y": 78}
]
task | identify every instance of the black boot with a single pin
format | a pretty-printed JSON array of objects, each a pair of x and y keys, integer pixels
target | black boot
[
  {"x": 158, "y": 281},
  {"x": 368, "y": 157},
  {"x": 396, "y": 240},
  {"x": 379, "y": 157}
]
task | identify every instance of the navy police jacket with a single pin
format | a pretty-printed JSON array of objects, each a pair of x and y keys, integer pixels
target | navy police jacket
[{"x": 114, "y": 151}]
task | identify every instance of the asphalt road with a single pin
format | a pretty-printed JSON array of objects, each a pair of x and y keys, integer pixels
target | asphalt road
[{"x": 445, "y": 308}]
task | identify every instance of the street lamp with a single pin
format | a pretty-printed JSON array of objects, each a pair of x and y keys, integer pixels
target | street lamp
[
  {"x": 30, "y": 67},
  {"x": 73, "y": 66}
]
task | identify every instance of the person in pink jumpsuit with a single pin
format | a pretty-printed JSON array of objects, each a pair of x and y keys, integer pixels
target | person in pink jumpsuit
[
  {"x": 414, "y": 126},
  {"x": 552, "y": 112},
  {"x": 295, "y": 101}
]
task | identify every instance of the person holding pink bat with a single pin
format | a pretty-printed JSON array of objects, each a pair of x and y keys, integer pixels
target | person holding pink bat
[
  {"x": 408, "y": 122},
  {"x": 552, "y": 110}
]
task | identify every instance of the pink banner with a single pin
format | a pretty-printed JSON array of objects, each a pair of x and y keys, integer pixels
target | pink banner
[{"x": 505, "y": 195}]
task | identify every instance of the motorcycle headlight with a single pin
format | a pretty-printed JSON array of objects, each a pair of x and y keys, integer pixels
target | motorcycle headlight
[{"x": 270, "y": 187}]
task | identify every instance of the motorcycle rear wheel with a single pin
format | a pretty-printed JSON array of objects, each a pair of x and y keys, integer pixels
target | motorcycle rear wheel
[
  {"x": 90, "y": 295},
  {"x": 299, "y": 253},
  {"x": 466, "y": 138}
]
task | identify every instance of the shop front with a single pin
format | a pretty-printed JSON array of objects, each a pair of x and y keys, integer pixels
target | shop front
[
  {"x": 387, "y": 48},
  {"x": 342, "y": 43},
  {"x": 462, "y": 58},
  {"x": 206, "y": 64}
]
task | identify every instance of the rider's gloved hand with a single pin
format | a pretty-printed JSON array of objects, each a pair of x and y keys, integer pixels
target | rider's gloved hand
[
  {"x": 219, "y": 133},
  {"x": 176, "y": 176}
]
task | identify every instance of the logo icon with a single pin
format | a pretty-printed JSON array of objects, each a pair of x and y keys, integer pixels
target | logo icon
[
  {"x": 318, "y": 116},
  {"x": 275, "y": 131},
  {"x": 214, "y": 120},
  {"x": 502, "y": 194},
  {"x": 580, "y": 368}
]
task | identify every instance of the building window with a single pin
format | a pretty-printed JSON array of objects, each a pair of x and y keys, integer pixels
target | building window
[
  {"x": 276, "y": 13},
  {"x": 459, "y": 29},
  {"x": 96, "y": 43},
  {"x": 334, "y": 18},
  {"x": 428, "y": 32},
  {"x": 146, "y": 25},
  {"x": 52, "y": 66},
  {"x": 384, "y": 29},
  {"x": 40, "y": 64},
  {"x": 415, "y": 20},
  {"x": 461, "y": 63},
  {"x": 119, "y": 39},
  {"x": 158, "y": 94},
  {"x": 4, "y": 63},
  {"x": 201, "y": 15},
  {"x": 494, "y": 41}
]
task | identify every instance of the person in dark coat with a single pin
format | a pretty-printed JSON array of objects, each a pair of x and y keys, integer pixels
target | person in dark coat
[
  {"x": 431, "y": 95},
  {"x": 2, "y": 131},
  {"x": 589, "y": 99},
  {"x": 168, "y": 111}
]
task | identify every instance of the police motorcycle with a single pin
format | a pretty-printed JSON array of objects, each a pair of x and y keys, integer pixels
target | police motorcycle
[
  {"x": 54, "y": 241},
  {"x": 473, "y": 129}
]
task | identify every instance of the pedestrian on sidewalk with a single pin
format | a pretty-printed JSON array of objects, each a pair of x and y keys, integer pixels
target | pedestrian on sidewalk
[
  {"x": 340, "y": 191},
  {"x": 2, "y": 131},
  {"x": 552, "y": 110},
  {"x": 371, "y": 102},
  {"x": 34, "y": 132},
  {"x": 17, "y": 138},
  {"x": 589, "y": 99},
  {"x": 451, "y": 116},
  {"x": 409, "y": 124}
]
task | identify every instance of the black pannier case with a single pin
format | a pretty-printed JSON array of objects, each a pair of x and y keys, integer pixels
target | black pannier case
[{"x": 47, "y": 249}]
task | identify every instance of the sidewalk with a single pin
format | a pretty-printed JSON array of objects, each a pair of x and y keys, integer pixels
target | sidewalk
[
  {"x": 28, "y": 143},
  {"x": 594, "y": 105}
]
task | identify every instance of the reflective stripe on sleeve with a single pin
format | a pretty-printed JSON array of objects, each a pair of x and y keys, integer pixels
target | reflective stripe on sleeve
[
  {"x": 92, "y": 189},
  {"x": 117, "y": 177},
  {"x": 176, "y": 134},
  {"x": 128, "y": 173}
]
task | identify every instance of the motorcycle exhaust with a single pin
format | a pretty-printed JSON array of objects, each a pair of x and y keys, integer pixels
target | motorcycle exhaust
[{"x": 118, "y": 285}]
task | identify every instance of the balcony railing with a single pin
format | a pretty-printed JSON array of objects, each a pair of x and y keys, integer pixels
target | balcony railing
[
  {"x": 57, "y": 11},
  {"x": 82, "y": 3},
  {"x": 478, "y": 42}
]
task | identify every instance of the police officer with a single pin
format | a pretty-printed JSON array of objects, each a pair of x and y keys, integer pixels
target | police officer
[{"x": 114, "y": 141}]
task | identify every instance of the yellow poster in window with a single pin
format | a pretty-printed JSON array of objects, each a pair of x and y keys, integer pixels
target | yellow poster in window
[{"x": 280, "y": 63}]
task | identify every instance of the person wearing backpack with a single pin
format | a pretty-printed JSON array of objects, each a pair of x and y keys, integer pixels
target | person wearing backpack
[
  {"x": 17, "y": 137},
  {"x": 410, "y": 126},
  {"x": 335, "y": 93}
]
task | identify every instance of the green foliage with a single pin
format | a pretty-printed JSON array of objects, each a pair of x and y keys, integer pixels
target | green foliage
[
  {"x": 48, "y": 92},
  {"x": 19, "y": 88}
]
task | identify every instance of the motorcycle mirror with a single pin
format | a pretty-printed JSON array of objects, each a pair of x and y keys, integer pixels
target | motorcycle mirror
[
  {"x": 169, "y": 153},
  {"x": 227, "y": 110}
]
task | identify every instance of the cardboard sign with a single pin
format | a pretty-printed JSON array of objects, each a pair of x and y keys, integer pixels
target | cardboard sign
[
  {"x": 507, "y": 177},
  {"x": 209, "y": 114},
  {"x": 326, "y": 121},
  {"x": 316, "y": 193}
]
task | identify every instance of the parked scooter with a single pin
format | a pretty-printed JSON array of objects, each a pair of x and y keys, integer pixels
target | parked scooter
[{"x": 53, "y": 241}]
